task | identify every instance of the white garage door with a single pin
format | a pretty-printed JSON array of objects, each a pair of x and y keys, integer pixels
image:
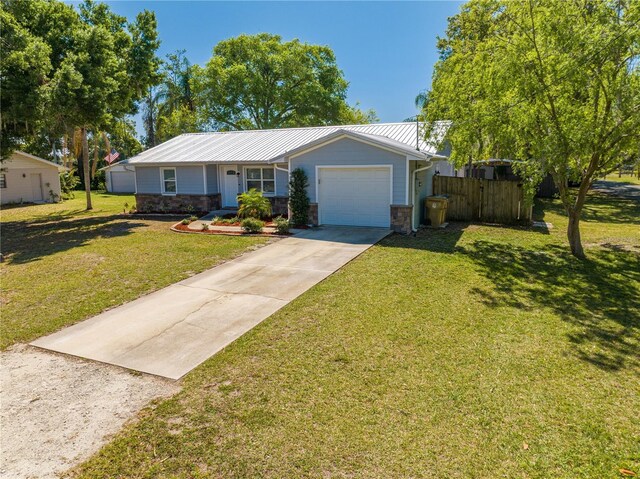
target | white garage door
[
  {"x": 354, "y": 196},
  {"x": 123, "y": 182}
]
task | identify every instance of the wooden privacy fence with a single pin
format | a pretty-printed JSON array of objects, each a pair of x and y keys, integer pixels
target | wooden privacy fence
[{"x": 474, "y": 199}]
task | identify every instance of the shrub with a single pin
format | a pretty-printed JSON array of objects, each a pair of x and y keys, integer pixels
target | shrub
[
  {"x": 298, "y": 199},
  {"x": 193, "y": 218},
  {"x": 185, "y": 221},
  {"x": 253, "y": 205},
  {"x": 252, "y": 225},
  {"x": 68, "y": 182},
  {"x": 229, "y": 221},
  {"x": 225, "y": 221},
  {"x": 282, "y": 225},
  {"x": 98, "y": 182},
  {"x": 205, "y": 226}
]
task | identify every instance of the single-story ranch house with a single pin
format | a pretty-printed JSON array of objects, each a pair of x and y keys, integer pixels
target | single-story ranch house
[
  {"x": 359, "y": 175},
  {"x": 25, "y": 178}
]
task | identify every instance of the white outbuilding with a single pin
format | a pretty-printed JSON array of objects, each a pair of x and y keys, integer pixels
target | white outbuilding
[
  {"x": 25, "y": 178},
  {"x": 120, "y": 178}
]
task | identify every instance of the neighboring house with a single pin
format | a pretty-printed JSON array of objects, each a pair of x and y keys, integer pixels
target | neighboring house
[
  {"x": 120, "y": 177},
  {"x": 25, "y": 178},
  {"x": 359, "y": 175}
]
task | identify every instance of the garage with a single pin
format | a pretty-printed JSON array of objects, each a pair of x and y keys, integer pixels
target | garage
[
  {"x": 354, "y": 196},
  {"x": 122, "y": 181}
]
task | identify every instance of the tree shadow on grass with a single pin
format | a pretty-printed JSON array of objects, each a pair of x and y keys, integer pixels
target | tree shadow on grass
[
  {"x": 600, "y": 296},
  {"x": 598, "y": 208},
  {"x": 25, "y": 241},
  {"x": 436, "y": 240}
]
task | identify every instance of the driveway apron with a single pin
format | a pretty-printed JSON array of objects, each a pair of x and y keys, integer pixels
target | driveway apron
[{"x": 171, "y": 331}]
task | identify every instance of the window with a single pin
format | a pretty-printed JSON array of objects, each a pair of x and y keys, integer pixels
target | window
[
  {"x": 169, "y": 185},
  {"x": 3, "y": 180},
  {"x": 262, "y": 179}
]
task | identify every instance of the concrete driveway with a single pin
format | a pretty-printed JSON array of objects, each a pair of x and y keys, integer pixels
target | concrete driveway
[{"x": 171, "y": 331}]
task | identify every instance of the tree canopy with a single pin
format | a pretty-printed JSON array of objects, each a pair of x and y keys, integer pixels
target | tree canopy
[
  {"x": 553, "y": 83},
  {"x": 259, "y": 81}
]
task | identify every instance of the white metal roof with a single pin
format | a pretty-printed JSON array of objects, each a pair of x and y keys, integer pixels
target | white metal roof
[
  {"x": 264, "y": 145},
  {"x": 376, "y": 140}
]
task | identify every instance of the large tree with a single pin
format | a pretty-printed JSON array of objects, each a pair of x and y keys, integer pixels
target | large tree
[
  {"x": 259, "y": 81},
  {"x": 169, "y": 107},
  {"x": 553, "y": 83}
]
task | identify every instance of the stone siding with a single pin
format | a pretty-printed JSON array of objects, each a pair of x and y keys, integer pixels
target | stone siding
[
  {"x": 279, "y": 205},
  {"x": 401, "y": 218},
  {"x": 150, "y": 203},
  {"x": 313, "y": 214}
]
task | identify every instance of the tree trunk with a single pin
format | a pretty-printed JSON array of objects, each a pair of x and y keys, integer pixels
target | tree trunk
[
  {"x": 107, "y": 143},
  {"x": 573, "y": 207},
  {"x": 573, "y": 234},
  {"x": 96, "y": 157},
  {"x": 85, "y": 166}
]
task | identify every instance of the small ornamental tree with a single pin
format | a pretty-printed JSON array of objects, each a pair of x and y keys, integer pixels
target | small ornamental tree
[
  {"x": 253, "y": 205},
  {"x": 298, "y": 199}
]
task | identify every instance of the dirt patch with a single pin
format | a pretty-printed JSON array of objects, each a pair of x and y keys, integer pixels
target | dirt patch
[{"x": 58, "y": 410}]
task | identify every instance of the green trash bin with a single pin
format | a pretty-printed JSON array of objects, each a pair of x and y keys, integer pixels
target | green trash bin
[{"x": 436, "y": 210}]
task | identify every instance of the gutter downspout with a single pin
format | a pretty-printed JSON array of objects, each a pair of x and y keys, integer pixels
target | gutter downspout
[
  {"x": 288, "y": 174},
  {"x": 413, "y": 192},
  {"x": 413, "y": 185},
  {"x": 282, "y": 169}
]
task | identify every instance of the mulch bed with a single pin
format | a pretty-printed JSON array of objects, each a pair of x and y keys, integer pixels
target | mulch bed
[{"x": 180, "y": 228}]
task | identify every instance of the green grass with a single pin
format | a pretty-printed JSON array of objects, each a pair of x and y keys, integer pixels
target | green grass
[
  {"x": 631, "y": 179},
  {"x": 64, "y": 264},
  {"x": 475, "y": 351}
]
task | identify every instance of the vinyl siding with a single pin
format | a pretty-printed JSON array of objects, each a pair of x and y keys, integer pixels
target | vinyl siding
[
  {"x": 148, "y": 179},
  {"x": 212, "y": 179},
  {"x": 347, "y": 152},
  {"x": 190, "y": 180},
  {"x": 282, "y": 183},
  {"x": 423, "y": 188}
]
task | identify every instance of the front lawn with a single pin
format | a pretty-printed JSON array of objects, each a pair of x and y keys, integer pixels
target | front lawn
[
  {"x": 475, "y": 351},
  {"x": 64, "y": 264}
]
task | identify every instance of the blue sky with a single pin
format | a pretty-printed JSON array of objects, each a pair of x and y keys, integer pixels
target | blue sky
[{"x": 386, "y": 49}]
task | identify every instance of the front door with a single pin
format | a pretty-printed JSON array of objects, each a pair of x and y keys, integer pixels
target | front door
[
  {"x": 231, "y": 178},
  {"x": 36, "y": 187}
]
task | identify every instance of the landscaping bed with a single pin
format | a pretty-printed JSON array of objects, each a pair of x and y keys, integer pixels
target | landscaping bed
[{"x": 231, "y": 230}]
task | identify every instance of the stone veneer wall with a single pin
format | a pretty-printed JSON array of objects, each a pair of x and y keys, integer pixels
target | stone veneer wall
[
  {"x": 401, "y": 218},
  {"x": 279, "y": 205},
  {"x": 153, "y": 203},
  {"x": 313, "y": 214}
]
